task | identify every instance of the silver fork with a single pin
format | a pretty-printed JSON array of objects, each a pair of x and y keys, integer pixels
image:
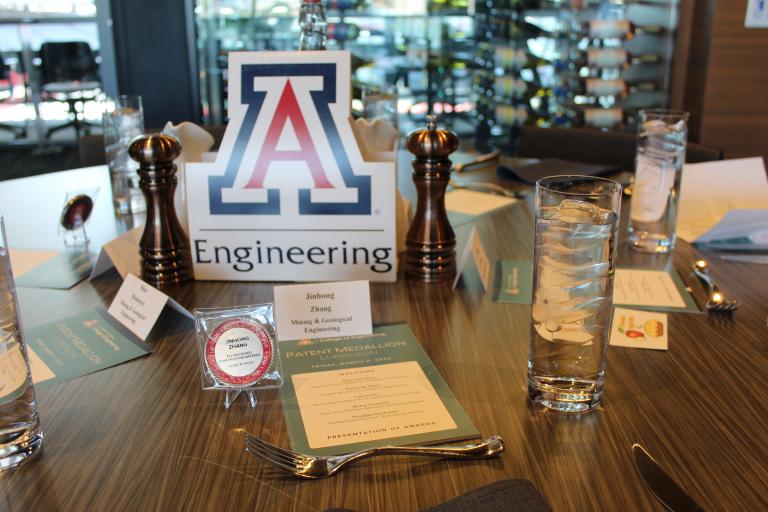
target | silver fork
[
  {"x": 306, "y": 466},
  {"x": 716, "y": 302}
]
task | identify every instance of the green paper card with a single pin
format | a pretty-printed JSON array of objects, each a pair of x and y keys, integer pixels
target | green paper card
[
  {"x": 653, "y": 290},
  {"x": 76, "y": 346},
  {"x": 61, "y": 272},
  {"x": 464, "y": 206},
  {"x": 457, "y": 219},
  {"x": 516, "y": 282},
  {"x": 346, "y": 394},
  {"x": 649, "y": 289}
]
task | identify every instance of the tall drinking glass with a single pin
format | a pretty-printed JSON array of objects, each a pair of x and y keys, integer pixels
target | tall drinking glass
[
  {"x": 661, "y": 138},
  {"x": 123, "y": 119},
  {"x": 380, "y": 103},
  {"x": 574, "y": 254},
  {"x": 20, "y": 434}
]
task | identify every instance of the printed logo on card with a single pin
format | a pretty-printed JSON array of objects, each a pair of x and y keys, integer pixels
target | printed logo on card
[
  {"x": 632, "y": 328},
  {"x": 288, "y": 128},
  {"x": 290, "y": 195}
]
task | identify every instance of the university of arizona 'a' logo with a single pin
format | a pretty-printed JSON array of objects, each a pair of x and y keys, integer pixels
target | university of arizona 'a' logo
[
  {"x": 298, "y": 191},
  {"x": 288, "y": 140}
]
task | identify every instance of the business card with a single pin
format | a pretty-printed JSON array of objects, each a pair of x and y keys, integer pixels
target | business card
[{"x": 639, "y": 329}]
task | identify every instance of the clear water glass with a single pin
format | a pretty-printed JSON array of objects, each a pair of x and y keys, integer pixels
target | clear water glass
[
  {"x": 574, "y": 259},
  {"x": 20, "y": 435},
  {"x": 661, "y": 138},
  {"x": 123, "y": 119},
  {"x": 380, "y": 103}
]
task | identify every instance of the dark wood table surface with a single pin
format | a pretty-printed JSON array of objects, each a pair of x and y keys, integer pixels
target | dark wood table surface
[{"x": 144, "y": 435}]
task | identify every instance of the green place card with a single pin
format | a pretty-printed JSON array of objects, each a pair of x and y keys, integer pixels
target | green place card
[
  {"x": 639, "y": 288},
  {"x": 346, "y": 394},
  {"x": 653, "y": 290},
  {"x": 457, "y": 219},
  {"x": 61, "y": 272},
  {"x": 516, "y": 282},
  {"x": 78, "y": 345}
]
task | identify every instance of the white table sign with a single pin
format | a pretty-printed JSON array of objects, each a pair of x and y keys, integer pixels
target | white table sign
[
  {"x": 477, "y": 250},
  {"x": 138, "y": 305},
  {"x": 289, "y": 196},
  {"x": 323, "y": 310}
]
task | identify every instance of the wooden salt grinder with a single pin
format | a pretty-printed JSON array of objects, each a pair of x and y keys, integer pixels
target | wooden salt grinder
[{"x": 430, "y": 245}]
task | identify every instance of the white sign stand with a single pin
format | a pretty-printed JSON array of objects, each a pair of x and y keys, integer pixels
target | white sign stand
[{"x": 290, "y": 196}]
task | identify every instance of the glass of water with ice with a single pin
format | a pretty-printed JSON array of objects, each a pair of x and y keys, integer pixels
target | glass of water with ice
[
  {"x": 661, "y": 138},
  {"x": 20, "y": 435},
  {"x": 574, "y": 254},
  {"x": 123, "y": 119}
]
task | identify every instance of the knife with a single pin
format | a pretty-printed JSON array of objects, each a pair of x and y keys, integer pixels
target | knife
[{"x": 666, "y": 490}]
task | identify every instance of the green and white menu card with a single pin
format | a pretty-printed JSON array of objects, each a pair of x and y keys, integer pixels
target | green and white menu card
[
  {"x": 346, "y": 394},
  {"x": 78, "y": 345}
]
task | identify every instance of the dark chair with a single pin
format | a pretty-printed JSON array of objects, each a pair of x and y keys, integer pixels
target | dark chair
[
  {"x": 596, "y": 146},
  {"x": 6, "y": 84},
  {"x": 68, "y": 72}
]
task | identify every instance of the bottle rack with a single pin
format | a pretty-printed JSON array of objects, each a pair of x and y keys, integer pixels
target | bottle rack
[
  {"x": 569, "y": 63},
  {"x": 487, "y": 73}
]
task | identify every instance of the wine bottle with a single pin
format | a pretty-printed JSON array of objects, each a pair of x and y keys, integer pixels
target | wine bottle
[
  {"x": 346, "y": 5},
  {"x": 509, "y": 57},
  {"x": 603, "y": 117},
  {"x": 616, "y": 57},
  {"x": 619, "y": 29},
  {"x": 343, "y": 31},
  {"x": 313, "y": 25},
  {"x": 599, "y": 87},
  {"x": 511, "y": 115},
  {"x": 510, "y": 87}
]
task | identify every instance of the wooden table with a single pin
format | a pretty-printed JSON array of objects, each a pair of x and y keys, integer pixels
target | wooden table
[{"x": 144, "y": 436}]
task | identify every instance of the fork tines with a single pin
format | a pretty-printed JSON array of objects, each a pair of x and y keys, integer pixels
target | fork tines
[
  {"x": 728, "y": 306},
  {"x": 280, "y": 457}
]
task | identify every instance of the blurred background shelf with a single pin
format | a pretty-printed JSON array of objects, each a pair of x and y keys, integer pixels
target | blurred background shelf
[{"x": 488, "y": 68}]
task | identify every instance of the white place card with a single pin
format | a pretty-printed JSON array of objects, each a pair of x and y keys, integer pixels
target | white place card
[
  {"x": 138, "y": 305},
  {"x": 323, "y": 310},
  {"x": 646, "y": 288},
  {"x": 639, "y": 329},
  {"x": 477, "y": 250},
  {"x": 121, "y": 253},
  {"x": 22, "y": 261},
  {"x": 470, "y": 202},
  {"x": 710, "y": 189}
]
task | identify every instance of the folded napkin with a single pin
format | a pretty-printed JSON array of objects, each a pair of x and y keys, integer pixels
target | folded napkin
[
  {"x": 377, "y": 140},
  {"x": 531, "y": 173},
  {"x": 195, "y": 141},
  {"x": 506, "y": 495}
]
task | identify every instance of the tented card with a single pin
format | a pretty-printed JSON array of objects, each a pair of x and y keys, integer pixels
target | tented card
[{"x": 323, "y": 310}]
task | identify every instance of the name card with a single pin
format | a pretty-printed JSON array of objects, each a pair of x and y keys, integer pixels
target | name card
[
  {"x": 475, "y": 248},
  {"x": 138, "y": 305},
  {"x": 323, "y": 310}
]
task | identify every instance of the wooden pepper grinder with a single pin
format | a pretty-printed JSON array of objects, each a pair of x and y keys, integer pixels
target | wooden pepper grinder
[
  {"x": 430, "y": 245},
  {"x": 164, "y": 248}
]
